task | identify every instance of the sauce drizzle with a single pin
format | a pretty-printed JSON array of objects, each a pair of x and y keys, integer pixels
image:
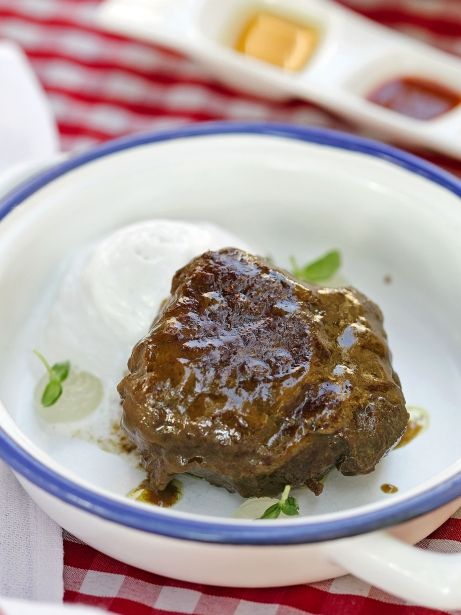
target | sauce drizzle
[
  {"x": 418, "y": 422},
  {"x": 388, "y": 488},
  {"x": 166, "y": 498}
]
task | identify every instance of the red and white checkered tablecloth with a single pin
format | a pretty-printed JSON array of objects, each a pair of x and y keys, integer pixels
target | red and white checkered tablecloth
[{"x": 102, "y": 86}]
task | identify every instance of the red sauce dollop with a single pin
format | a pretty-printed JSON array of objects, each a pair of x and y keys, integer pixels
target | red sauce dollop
[{"x": 416, "y": 98}]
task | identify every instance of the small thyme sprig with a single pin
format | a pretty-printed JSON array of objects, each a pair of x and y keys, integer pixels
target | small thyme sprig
[
  {"x": 57, "y": 373},
  {"x": 286, "y": 505}
]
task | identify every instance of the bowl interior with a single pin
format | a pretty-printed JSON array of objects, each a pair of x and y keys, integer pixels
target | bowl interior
[{"x": 398, "y": 234}]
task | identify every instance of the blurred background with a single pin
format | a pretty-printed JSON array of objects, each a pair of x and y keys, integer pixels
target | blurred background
[{"x": 101, "y": 86}]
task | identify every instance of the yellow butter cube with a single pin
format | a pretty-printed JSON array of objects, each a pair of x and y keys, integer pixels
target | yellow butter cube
[{"x": 278, "y": 41}]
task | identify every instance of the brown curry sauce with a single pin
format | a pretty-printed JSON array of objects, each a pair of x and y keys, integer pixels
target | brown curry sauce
[
  {"x": 166, "y": 498},
  {"x": 418, "y": 422}
]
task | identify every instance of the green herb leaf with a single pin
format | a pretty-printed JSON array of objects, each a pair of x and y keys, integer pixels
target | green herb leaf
[
  {"x": 272, "y": 512},
  {"x": 320, "y": 270},
  {"x": 60, "y": 371},
  {"x": 56, "y": 375},
  {"x": 52, "y": 393},
  {"x": 286, "y": 505},
  {"x": 290, "y": 507}
]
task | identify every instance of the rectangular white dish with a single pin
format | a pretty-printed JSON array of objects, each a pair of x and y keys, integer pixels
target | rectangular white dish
[{"x": 353, "y": 56}]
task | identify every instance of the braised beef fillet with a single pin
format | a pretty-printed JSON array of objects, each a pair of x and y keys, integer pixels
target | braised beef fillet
[{"x": 253, "y": 380}]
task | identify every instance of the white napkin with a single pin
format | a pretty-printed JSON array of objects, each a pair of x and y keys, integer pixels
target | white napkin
[
  {"x": 31, "y": 551},
  {"x": 20, "y": 607},
  {"x": 27, "y": 129},
  {"x": 31, "y": 556}
]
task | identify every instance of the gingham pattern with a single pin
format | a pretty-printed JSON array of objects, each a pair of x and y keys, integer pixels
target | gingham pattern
[
  {"x": 103, "y": 86},
  {"x": 95, "y": 579}
]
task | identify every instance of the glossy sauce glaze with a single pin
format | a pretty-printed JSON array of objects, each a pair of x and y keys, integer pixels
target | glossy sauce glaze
[
  {"x": 278, "y": 41},
  {"x": 166, "y": 498},
  {"x": 414, "y": 97},
  {"x": 250, "y": 380}
]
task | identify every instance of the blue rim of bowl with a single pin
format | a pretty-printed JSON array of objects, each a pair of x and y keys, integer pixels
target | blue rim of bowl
[{"x": 211, "y": 530}]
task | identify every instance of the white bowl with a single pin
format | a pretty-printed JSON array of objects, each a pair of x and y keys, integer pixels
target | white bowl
[{"x": 290, "y": 191}]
